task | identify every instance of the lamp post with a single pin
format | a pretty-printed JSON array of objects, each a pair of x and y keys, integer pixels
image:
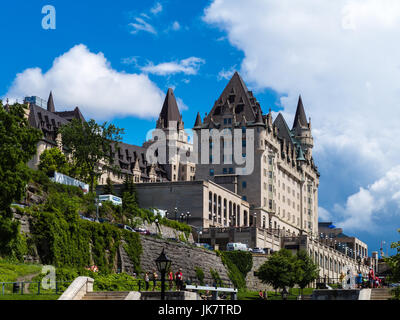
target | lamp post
[
  {"x": 187, "y": 217},
  {"x": 98, "y": 204},
  {"x": 176, "y": 212},
  {"x": 284, "y": 294},
  {"x": 163, "y": 264}
]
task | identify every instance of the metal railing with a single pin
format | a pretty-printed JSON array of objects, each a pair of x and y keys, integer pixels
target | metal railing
[{"x": 33, "y": 287}]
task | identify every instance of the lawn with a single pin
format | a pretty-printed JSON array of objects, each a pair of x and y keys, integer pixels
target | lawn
[
  {"x": 29, "y": 297},
  {"x": 253, "y": 295},
  {"x": 11, "y": 271}
]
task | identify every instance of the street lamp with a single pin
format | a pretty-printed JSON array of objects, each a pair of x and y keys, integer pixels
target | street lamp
[
  {"x": 284, "y": 294},
  {"x": 187, "y": 217},
  {"x": 176, "y": 212},
  {"x": 163, "y": 264},
  {"x": 98, "y": 204}
]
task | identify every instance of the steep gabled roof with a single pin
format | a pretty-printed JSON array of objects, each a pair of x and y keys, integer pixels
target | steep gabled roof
[
  {"x": 198, "y": 121},
  {"x": 170, "y": 110},
  {"x": 283, "y": 129},
  {"x": 238, "y": 98},
  {"x": 300, "y": 117}
]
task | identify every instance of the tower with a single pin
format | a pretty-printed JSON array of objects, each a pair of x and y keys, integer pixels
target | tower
[{"x": 301, "y": 130}]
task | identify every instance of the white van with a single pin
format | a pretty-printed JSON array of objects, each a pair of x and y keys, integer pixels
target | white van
[
  {"x": 236, "y": 246},
  {"x": 109, "y": 197}
]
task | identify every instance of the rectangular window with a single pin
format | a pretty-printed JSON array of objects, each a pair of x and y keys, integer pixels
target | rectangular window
[
  {"x": 211, "y": 172},
  {"x": 244, "y": 184},
  {"x": 231, "y": 170},
  {"x": 224, "y": 170}
]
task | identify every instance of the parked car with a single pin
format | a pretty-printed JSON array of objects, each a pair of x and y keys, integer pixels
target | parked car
[
  {"x": 236, "y": 246},
  {"x": 86, "y": 218},
  {"x": 258, "y": 250},
  {"x": 104, "y": 220},
  {"x": 124, "y": 226},
  {"x": 142, "y": 231},
  {"x": 204, "y": 245}
]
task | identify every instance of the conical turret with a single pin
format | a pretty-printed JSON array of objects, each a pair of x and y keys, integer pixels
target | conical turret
[{"x": 50, "y": 103}]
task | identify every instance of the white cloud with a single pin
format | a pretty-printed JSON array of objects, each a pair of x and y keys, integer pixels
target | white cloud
[
  {"x": 176, "y": 26},
  {"x": 85, "y": 79},
  {"x": 189, "y": 66},
  {"x": 342, "y": 56},
  {"x": 226, "y": 74},
  {"x": 141, "y": 25},
  {"x": 365, "y": 208},
  {"x": 324, "y": 215},
  {"x": 156, "y": 9}
]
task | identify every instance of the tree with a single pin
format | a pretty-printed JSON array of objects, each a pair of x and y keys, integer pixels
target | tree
[
  {"x": 306, "y": 270},
  {"x": 394, "y": 265},
  {"x": 129, "y": 195},
  {"x": 279, "y": 270},
  {"x": 17, "y": 147},
  {"x": 91, "y": 145},
  {"x": 109, "y": 187},
  {"x": 54, "y": 160}
]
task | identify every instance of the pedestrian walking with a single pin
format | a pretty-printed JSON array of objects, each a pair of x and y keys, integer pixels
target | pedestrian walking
[
  {"x": 371, "y": 277},
  {"x": 147, "y": 280},
  {"x": 170, "y": 279},
  {"x": 155, "y": 277},
  {"x": 179, "y": 279}
]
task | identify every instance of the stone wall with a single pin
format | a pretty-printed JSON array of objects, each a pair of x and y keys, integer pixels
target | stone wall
[
  {"x": 183, "y": 256},
  {"x": 166, "y": 232},
  {"x": 252, "y": 281}
]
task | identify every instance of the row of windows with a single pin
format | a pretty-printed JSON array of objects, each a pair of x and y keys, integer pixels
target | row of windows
[
  {"x": 224, "y": 212},
  {"x": 327, "y": 263}
]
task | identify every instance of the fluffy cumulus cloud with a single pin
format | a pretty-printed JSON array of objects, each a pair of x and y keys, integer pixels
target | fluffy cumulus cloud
[
  {"x": 369, "y": 205},
  {"x": 342, "y": 56},
  {"x": 189, "y": 66},
  {"x": 85, "y": 79}
]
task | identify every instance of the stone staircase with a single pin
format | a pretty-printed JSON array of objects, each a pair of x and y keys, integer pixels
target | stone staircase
[
  {"x": 112, "y": 295},
  {"x": 380, "y": 294}
]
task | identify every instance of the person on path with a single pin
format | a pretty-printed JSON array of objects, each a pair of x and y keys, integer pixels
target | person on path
[
  {"x": 147, "y": 280},
  {"x": 179, "y": 279},
  {"x": 155, "y": 277},
  {"x": 170, "y": 279},
  {"x": 371, "y": 277}
]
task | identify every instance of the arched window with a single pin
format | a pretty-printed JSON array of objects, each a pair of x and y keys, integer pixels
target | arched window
[{"x": 238, "y": 216}]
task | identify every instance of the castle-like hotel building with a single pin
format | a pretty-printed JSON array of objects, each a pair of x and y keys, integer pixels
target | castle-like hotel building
[{"x": 266, "y": 197}]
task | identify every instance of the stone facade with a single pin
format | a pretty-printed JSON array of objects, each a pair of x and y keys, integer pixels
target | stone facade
[
  {"x": 282, "y": 187},
  {"x": 208, "y": 203},
  {"x": 183, "y": 256}
]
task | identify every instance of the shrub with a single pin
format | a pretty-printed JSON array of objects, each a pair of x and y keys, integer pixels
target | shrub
[{"x": 199, "y": 275}]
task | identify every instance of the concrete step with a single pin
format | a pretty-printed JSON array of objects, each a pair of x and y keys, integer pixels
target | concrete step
[
  {"x": 380, "y": 294},
  {"x": 112, "y": 295}
]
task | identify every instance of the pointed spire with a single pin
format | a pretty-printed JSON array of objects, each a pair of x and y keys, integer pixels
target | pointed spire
[
  {"x": 300, "y": 117},
  {"x": 169, "y": 111},
  {"x": 50, "y": 103},
  {"x": 300, "y": 156},
  {"x": 198, "y": 121},
  {"x": 259, "y": 118}
]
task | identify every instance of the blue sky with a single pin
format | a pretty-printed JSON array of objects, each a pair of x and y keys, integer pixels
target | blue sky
[{"x": 193, "y": 46}]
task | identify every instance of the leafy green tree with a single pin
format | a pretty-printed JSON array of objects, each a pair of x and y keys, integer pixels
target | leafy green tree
[
  {"x": 54, "y": 160},
  {"x": 279, "y": 270},
  {"x": 17, "y": 147},
  {"x": 109, "y": 187},
  {"x": 129, "y": 196},
  {"x": 91, "y": 145},
  {"x": 306, "y": 271}
]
